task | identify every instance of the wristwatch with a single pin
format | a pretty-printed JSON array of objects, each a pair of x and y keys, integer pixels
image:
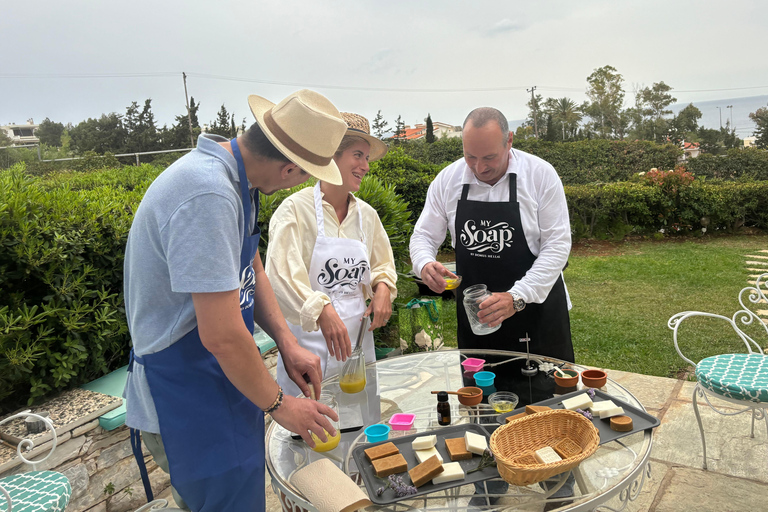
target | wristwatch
[{"x": 517, "y": 302}]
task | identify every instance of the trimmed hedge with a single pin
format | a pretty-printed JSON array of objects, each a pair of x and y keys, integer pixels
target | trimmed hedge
[{"x": 736, "y": 164}]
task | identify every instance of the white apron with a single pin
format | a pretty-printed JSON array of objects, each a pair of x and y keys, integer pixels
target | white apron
[{"x": 339, "y": 268}]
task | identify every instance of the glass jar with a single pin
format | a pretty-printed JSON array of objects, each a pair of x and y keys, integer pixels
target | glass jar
[
  {"x": 352, "y": 377},
  {"x": 474, "y": 296},
  {"x": 333, "y": 441}
]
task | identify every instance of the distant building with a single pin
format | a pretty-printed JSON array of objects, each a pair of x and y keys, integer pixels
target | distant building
[
  {"x": 690, "y": 150},
  {"x": 749, "y": 142},
  {"x": 439, "y": 129},
  {"x": 21, "y": 134}
]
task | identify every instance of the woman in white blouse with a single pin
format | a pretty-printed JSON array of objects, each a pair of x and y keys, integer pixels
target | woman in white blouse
[{"x": 328, "y": 253}]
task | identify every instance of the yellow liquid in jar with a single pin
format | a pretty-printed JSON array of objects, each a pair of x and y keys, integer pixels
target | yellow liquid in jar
[
  {"x": 504, "y": 406},
  {"x": 451, "y": 283},
  {"x": 330, "y": 444},
  {"x": 352, "y": 383}
]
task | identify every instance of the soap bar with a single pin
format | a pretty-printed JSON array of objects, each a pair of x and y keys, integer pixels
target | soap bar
[
  {"x": 567, "y": 448},
  {"x": 614, "y": 411},
  {"x": 581, "y": 401},
  {"x": 525, "y": 459},
  {"x": 380, "y": 451},
  {"x": 451, "y": 471},
  {"x": 601, "y": 406},
  {"x": 621, "y": 423},
  {"x": 457, "y": 450},
  {"x": 424, "y": 442},
  {"x": 547, "y": 455},
  {"x": 475, "y": 443},
  {"x": 533, "y": 409},
  {"x": 389, "y": 465},
  {"x": 422, "y": 455},
  {"x": 425, "y": 471}
]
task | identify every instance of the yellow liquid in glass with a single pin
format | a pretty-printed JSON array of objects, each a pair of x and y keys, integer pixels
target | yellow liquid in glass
[
  {"x": 352, "y": 383},
  {"x": 504, "y": 406},
  {"x": 330, "y": 444},
  {"x": 451, "y": 283}
]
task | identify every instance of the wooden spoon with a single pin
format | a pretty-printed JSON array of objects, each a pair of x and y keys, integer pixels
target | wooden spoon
[{"x": 463, "y": 393}]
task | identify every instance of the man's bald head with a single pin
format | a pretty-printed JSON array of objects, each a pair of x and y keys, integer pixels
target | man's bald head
[{"x": 483, "y": 115}]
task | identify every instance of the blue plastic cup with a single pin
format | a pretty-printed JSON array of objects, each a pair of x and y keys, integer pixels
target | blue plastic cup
[
  {"x": 378, "y": 432},
  {"x": 484, "y": 379}
]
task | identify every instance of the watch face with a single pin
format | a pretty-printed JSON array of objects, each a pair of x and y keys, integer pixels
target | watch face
[{"x": 519, "y": 304}]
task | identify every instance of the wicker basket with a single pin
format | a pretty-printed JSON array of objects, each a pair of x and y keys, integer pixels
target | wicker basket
[{"x": 525, "y": 435}]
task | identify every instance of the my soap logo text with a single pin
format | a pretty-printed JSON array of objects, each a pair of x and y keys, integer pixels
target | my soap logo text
[
  {"x": 346, "y": 272},
  {"x": 486, "y": 237}
]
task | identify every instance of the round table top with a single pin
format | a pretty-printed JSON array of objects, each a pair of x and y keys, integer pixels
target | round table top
[{"x": 405, "y": 383}]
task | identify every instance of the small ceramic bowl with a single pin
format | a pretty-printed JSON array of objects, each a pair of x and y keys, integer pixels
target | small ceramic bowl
[
  {"x": 402, "y": 421},
  {"x": 484, "y": 379},
  {"x": 451, "y": 283},
  {"x": 475, "y": 398},
  {"x": 594, "y": 378},
  {"x": 567, "y": 382},
  {"x": 503, "y": 401},
  {"x": 473, "y": 364},
  {"x": 378, "y": 432}
]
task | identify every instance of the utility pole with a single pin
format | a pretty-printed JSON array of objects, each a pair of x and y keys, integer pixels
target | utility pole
[
  {"x": 731, "y": 107},
  {"x": 189, "y": 116},
  {"x": 533, "y": 105},
  {"x": 563, "y": 130},
  {"x": 720, "y": 110}
]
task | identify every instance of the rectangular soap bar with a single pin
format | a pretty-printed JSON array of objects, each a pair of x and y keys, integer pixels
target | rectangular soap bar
[
  {"x": 457, "y": 450},
  {"x": 475, "y": 443},
  {"x": 614, "y": 411},
  {"x": 424, "y": 442},
  {"x": 380, "y": 451},
  {"x": 547, "y": 455},
  {"x": 451, "y": 471},
  {"x": 533, "y": 409},
  {"x": 422, "y": 455},
  {"x": 389, "y": 465},
  {"x": 601, "y": 406},
  {"x": 581, "y": 401},
  {"x": 425, "y": 471}
]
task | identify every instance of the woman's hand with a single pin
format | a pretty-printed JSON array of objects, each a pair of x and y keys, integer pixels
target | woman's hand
[
  {"x": 335, "y": 333},
  {"x": 380, "y": 306}
]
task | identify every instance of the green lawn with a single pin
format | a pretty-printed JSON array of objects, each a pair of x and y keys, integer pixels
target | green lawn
[{"x": 623, "y": 293}]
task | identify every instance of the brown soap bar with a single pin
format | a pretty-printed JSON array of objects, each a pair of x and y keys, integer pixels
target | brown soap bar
[
  {"x": 621, "y": 423},
  {"x": 426, "y": 471},
  {"x": 567, "y": 448},
  {"x": 389, "y": 465},
  {"x": 457, "y": 449},
  {"x": 525, "y": 459},
  {"x": 533, "y": 409},
  {"x": 516, "y": 417},
  {"x": 381, "y": 451}
]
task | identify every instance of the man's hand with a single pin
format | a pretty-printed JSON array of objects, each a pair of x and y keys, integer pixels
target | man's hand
[
  {"x": 299, "y": 362},
  {"x": 380, "y": 306},
  {"x": 496, "y": 308},
  {"x": 432, "y": 275},
  {"x": 301, "y": 416},
  {"x": 335, "y": 333}
]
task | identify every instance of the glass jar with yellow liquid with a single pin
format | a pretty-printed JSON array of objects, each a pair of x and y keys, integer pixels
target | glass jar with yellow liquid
[{"x": 333, "y": 441}]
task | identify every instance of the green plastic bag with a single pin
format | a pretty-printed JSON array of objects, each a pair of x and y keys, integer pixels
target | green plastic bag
[{"x": 421, "y": 325}]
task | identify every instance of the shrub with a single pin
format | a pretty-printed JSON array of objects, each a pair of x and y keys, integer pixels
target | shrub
[
  {"x": 736, "y": 164},
  {"x": 410, "y": 177}
]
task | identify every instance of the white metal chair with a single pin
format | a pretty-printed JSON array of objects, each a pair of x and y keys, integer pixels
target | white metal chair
[
  {"x": 36, "y": 491},
  {"x": 741, "y": 378}
]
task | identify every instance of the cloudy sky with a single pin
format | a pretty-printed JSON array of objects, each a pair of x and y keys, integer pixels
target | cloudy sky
[{"x": 77, "y": 59}]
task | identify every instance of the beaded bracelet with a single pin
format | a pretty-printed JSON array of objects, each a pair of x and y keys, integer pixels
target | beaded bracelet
[{"x": 278, "y": 401}]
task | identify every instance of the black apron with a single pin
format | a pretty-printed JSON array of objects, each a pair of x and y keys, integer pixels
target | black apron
[{"x": 491, "y": 249}]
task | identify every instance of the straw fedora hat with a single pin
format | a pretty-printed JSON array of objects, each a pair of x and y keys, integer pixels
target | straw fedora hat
[
  {"x": 358, "y": 125},
  {"x": 306, "y": 128}
]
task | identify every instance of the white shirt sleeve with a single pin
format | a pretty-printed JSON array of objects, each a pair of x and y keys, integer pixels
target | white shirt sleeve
[{"x": 429, "y": 233}]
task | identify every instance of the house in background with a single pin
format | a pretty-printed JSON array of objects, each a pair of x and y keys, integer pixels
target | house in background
[
  {"x": 440, "y": 130},
  {"x": 21, "y": 134},
  {"x": 690, "y": 150},
  {"x": 749, "y": 142}
]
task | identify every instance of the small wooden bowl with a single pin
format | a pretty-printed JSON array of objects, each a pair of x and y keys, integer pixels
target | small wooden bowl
[
  {"x": 594, "y": 378},
  {"x": 475, "y": 398},
  {"x": 567, "y": 382}
]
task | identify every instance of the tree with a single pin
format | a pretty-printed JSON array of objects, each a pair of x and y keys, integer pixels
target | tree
[
  {"x": 106, "y": 134},
  {"x": 379, "y": 125},
  {"x": 565, "y": 116},
  {"x": 685, "y": 124},
  {"x": 223, "y": 124},
  {"x": 5, "y": 140},
  {"x": 534, "y": 115},
  {"x": 178, "y": 135},
  {"x": 651, "y": 105},
  {"x": 760, "y": 117},
  {"x": 399, "y": 130},
  {"x": 430, "y": 130},
  {"x": 606, "y": 98},
  {"x": 142, "y": 130},
  {"x": 50, "y": 133}
]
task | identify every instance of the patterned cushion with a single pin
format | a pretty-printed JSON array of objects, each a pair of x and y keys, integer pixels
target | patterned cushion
[
  {"x": 36, "y": 491},
  {"x": 737, "y": 376}
]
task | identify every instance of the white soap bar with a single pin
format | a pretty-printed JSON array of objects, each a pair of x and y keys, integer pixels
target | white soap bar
[
  {"x": 451, "y": 471},
  {"x": 547, "y": 455},
  {"x": 424, "y": 442},
  {"x": 602, "y": 406},
  {"x": 423, "y": 455},
  {"x": 581, "y": 401},
  {"x": 475, "y": 443},
  {"x": 614, "y": 411}
]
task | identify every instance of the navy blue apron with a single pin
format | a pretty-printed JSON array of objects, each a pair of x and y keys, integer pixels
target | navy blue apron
[
  {"x": 213, "y": 435},
  {"x": 491, "y": 249}
]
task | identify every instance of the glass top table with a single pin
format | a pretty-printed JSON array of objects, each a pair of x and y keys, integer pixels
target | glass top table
[{"x": 608, "y": 480}]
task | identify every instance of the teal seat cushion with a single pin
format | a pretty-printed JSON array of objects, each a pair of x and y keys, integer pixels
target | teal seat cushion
[
  {"x": 737, "y": 376},
  {"x": 36, "y": 491}
]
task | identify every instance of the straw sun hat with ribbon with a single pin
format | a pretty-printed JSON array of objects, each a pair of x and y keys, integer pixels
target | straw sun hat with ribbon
[
  {"x": 306, "y": 128},
  {"x": 358, "y": 126}
]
